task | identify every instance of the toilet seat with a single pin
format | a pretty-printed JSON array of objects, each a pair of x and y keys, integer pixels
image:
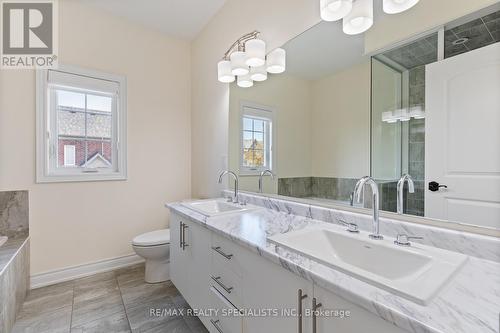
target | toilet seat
[{"x": 153, "y": 238}]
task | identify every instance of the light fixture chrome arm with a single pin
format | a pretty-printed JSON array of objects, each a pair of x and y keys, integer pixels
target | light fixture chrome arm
[
  {"x": 227, "y": 172},
  {"x": 358, "y": 189},
  {"x": 400, "y": 187},
  {"x": 240, "y": 43},
  {"x": 262, "y": 174}
]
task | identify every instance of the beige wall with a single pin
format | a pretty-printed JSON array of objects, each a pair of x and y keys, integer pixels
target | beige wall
[
  {"x": 290, "y": 98},
  {"x": 76, "y": 223},
  {"x": 426, "y": 15},
  {"x": 279, "y": 21},
  {"x": 341, "y": 123}
]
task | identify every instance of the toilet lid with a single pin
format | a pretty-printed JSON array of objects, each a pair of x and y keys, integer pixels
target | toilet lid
[{"x": 157, "y": 237}]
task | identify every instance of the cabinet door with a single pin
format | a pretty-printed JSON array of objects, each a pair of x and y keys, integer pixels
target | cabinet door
[
  {"x": 269, "y": 286},
  {"x": 196, "y": 252},
  {"x": 359, "y": 319},
  {"x": 178, "y": 264}
]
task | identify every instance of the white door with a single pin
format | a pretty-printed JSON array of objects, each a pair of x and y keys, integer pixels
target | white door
[{"x": 462, "y": 137}]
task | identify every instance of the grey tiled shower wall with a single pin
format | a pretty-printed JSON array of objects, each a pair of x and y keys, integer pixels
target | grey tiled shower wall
[{"x": 416, "y": 145}]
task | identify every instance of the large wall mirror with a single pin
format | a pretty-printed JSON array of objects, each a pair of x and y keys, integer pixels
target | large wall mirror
[{"x": 428, "y": 108}]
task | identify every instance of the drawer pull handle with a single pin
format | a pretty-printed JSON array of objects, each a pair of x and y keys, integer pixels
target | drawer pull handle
[
  {"x": 219, "y": 251},
  {"x": 315, "y": 306},
  {"x": 301, "y": 297},
  {"x": 180, "y": 234},
  {"x": 216, "y": 325},
  {"x": 217, "y": 280},
  {"x": 184, "y": 244}
]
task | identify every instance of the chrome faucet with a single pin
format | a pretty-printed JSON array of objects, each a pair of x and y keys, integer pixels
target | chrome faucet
[
  {"x": 262, "y": 174},
  {"x": 227, "y": 172},
  {"x": 401, "y": 185},
  {"x": 358, "y": 189}
]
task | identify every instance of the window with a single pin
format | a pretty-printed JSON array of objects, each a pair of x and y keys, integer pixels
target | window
[
  {"x": 256, "y": 138},
  {"x": 81, "y": 125}
]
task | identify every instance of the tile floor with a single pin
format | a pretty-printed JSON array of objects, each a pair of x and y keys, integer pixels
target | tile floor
[{"x": 112, "y": 302}]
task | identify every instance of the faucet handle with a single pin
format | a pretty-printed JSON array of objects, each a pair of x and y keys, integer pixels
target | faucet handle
[
  {"x": 404, "y": 239},
  {"x": 229, "y": 199},
  {"x": 351, "y": 227}
]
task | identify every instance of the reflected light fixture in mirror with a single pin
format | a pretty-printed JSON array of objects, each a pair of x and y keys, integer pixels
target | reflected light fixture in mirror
[
  {"x": 238, "y": 63},
  {"x": 256, "y": 52},
  {"x": 276, "y": 61},
  {"x": 398, "y": 6},
  {"x": 333, "y": 10},
  {"x": 360, "y": 18},
  {"x": 225, "y": 71}
]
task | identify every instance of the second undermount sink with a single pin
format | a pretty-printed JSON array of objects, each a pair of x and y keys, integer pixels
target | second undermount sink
[
  {"x": 416, "y": 273},
  {"x": 213, "y": 207}
]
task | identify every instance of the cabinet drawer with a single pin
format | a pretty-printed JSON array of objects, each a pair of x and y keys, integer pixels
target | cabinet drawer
[
  {"x": 227, "y": 319},
  {"x": 226, "y": 282},
  {"x": 224, "y": 251}
]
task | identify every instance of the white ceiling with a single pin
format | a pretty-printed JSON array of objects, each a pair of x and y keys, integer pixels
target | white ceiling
[
  {"x": 177, "y": 18},
  {"x": 322, "y": 51}
]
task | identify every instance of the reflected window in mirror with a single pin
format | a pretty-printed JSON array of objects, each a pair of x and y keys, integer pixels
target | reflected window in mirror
[{"x": 256, "y": 139}]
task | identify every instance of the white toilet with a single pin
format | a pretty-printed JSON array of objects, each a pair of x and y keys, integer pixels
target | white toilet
[{"x": 155, "y": 248}]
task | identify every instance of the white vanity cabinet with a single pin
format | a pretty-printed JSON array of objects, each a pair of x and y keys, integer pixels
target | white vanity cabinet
[
  {"x": 214, "y": 272},
  {"x": 189, "y": 261},
  {"x": 269, "y": 287},
  {"x": 359, "y": 319}
]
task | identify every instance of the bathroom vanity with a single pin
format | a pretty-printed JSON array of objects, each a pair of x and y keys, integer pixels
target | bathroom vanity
[{"x": 237, "y": 266}]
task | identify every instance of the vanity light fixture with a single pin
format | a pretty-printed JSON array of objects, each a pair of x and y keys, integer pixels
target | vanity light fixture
[
  {"x": 359, "y": 19},
  {"x": 258, "y": 73},
  {"x": 256, "y": 52},
  {"x": 333, "y": 10},
  {"x": 398, "y": 6},
  {"x": 244, "y": 81},
  {"x": 276, "y": 61},
  {"x": 238, "y": 63},
  {"x": 245, "y": 61},
  {"x": 357, "y": 15}
]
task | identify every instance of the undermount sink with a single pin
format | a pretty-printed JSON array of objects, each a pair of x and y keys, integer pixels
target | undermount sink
[
  {"x": 213, "y": 207},
  {"x": 417, "y": 272}
]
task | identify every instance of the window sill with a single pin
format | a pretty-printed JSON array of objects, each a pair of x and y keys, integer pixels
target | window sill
[{"x": 44, "y": 179}]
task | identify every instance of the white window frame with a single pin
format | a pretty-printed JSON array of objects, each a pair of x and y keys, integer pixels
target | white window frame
[
  {"x": 73, "y": 148},
  {"x": 263, "y": 112},
  {"x": 46, "y": 167}
]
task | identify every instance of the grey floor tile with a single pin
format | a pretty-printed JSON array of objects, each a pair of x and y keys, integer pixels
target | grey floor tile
[
  {"x": 174, "y": 326},
  {"x": 57, "y": 321},
  {"x": 195, "y": 324},
  {"x": 93, "y": 309},
  {"x": 116, "y": 323},
  {"x": 138, "y": 292},
  {"x": 47, "y": 299},
  {"x": 141, "y": 317},
  {"x": 100, "y": 277},
  {"x": 93, "y": 290},
  {"x": 130, "y": 275}
]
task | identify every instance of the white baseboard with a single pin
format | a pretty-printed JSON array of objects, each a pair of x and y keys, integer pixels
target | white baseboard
[{"x": 79, "y": 271}]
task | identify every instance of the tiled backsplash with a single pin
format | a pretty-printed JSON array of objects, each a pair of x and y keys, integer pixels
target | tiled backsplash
[
  {"x": 14, "y": 213},
  {"x": 337, "y": 189}
]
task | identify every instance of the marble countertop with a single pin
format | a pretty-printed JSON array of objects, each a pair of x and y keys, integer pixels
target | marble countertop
[
  {"x": 469, "y": 303},
  {"x": 9, "y": 249}
]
